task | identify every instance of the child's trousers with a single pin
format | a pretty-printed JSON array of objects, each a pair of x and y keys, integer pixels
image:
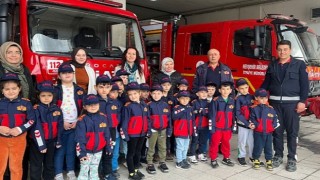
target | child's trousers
[
  {"x": 245, "y": 138},
  {"x": 223, "y": 137},
  {"x": 160, "y": 138},
  {"x": 89, "y": 168},
  {"x": 262, "y": 142}
]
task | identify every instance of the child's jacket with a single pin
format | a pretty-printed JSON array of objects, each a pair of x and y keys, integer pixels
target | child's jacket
[
  {"x": 200, "y": 113},
  {"x": 243, "y": 104},
  {"x": 159, "y": 116},
  {"x": 221, "y": 113},
  {"x": 264, "y": 118},
  {"x": 183, "y": 125}
]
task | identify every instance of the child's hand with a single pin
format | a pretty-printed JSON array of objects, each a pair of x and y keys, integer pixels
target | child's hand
[
  {"x": 73, "y": 125},
  {"x": 44, "y": 151},
  {"x": 66, "y": 126},
  {"x": 252, "y": 126},
  {"x": 15, "y": 131},
  {"x": 84, "y": 159},
  {"x": 4, "y": 130}
]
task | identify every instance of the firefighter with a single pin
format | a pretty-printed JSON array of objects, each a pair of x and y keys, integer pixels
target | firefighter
[{"x": 287, "y": 81}]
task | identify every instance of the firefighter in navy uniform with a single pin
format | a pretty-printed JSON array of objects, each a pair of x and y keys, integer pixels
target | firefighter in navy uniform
[{"x": 287, "y": 82}]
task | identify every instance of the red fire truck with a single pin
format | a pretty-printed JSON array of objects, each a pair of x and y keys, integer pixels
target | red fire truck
[
  {"x": 246, "y": 46},
  {"x": 48, "y": 30}
]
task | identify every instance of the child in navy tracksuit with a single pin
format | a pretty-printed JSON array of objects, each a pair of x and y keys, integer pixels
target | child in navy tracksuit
[
  {"x": 265, "y": 121},
  {"x": 69, "y": 99},
  {"x": 183, "y": 128},
  {"x": 159, "y": 129},
  {"x": 16, "y": 117},
  {"x": 221, "y": 121},
  {"x": 92, "y": 138},
  {"x": 46, "y": 133},
  {"x": 134, "y": 128},
  {"x": 242, "y": 111},
  {"x": 200, "y": 117}
]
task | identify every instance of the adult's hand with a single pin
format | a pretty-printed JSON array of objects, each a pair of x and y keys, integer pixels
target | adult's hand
[
  {"x": 300, "y": 107},
  {"x": 4, "y": 130}
]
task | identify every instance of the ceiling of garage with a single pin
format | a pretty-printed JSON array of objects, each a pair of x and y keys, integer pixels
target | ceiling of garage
[{"x": 164, "y": 9}]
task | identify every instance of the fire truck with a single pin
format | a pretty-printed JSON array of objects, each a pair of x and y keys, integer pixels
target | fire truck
[
  {"x": 246, "y": 46},
  {"x": 48, "y": 30}
]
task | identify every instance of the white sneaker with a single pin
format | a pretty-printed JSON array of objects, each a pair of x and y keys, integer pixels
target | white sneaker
[
  {"x": 58, "y": 177},
  {"x": 201, "y": 157},
  {"x": 71, "y": 175},
  {"x": 193, "y": 159}
]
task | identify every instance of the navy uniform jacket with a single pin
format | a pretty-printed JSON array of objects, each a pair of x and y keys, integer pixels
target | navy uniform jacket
[
  {"x": 49, "y": 124},
  {"x": 159, "y": 116},
  {"x": 16, "y": 113},
  {"x": 221, "y": 113},
  {"x": 134, "y": 119},
  {"x": 200, "y": 113},
  {"x": 78, "y": 96},
  {"x": 92, "y": 134},
  {"x": 242, "y": 111},
  {"x": 183, "y": 125},
  {"x": 264, "y": 117}
]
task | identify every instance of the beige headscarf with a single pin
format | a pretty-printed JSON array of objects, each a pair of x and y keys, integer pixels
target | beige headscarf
[
  {"x": 12, "y": 68},
  {"x": 164, "y": 61}
]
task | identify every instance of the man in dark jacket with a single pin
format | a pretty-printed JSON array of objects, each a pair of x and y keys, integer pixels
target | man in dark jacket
[
  {"x": 213, "y": 71},
  {"x": 288, "y": 85}
]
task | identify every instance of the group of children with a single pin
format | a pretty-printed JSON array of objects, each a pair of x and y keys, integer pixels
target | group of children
[{"x": 66, "y": 123}]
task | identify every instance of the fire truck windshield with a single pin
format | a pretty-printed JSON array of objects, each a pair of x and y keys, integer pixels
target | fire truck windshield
[
  {"x": 311, "y": 44},
  {"x": 57, "y": 30}
]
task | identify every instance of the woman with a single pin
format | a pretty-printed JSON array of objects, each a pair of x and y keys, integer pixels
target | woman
[
  {"x": 167, "y": 70},
  {"x": 84, "y": 76},
  {"x": 131, "y": 63}
]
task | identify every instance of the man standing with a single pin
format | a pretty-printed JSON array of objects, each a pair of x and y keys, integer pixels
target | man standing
[
  {"x": 213, "y": 71},
  {"x": 288, "y": 84}
]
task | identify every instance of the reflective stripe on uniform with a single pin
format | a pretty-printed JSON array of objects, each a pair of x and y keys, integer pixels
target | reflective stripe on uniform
[{"x": 285, "y": 98}]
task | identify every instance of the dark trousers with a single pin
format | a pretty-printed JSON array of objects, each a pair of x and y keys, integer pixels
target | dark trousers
[
  {"x": 42, "y": 164},
  {"x": 134, "y": 153},
  {"x": 171, "y": 144},
  {"x": 105, "y": 166},
  {"x": 262, "y": 142},
  {"x": 200, "y": 140},
  {"x": 289, "y": 121}
]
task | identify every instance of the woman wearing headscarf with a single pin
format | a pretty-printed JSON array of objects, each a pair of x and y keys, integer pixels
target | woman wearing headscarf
[{"x": 167, "y": 70}]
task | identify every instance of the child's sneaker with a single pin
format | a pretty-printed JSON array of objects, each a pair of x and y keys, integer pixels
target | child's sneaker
[
  {"x": 71, "y": 175},
  {"x": 116, "y": 174},
  {"x": 214, "y": 164},
  {"x": 193, "y": 159},
  {"x": 186, "y": 163},
  {"x": 134, "y": 176},
  {"x": 163, "y": 167},
  {"x": 269, "y": 165},
  {"x": 201, "y": 157},
  {"x": 151, "y": 169},
  {"x": 242, "y": 161},
  {"x": 169, "y": 157},
  {"x": 58, "y": 177},
  {"x": 181, "y": 165},
  {"x": 227, "y": 161},
  {"x": 140, "y": 174},
  {"x": 261, "y": 163},
  {"x": 256, "y": 164},
  {"x": 109, "y": 177}
]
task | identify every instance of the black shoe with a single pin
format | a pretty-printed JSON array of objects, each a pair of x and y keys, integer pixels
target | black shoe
[
  {"x": 109, "y": 177},
  {"x": 291, "y": 165},
  {"x": 140, "y": 174},
  {"x": 163, "y": 167},
  {"x": 151, "y": 169},
  {"x": 227, "y": 161},
  {"x": 242, "y": 161},
  {"x": 116, "y": 174},
  {"x": 135, "y": 176},
  {"x": 214, "y": 164},
  {"x": 186, "y": 163},
  {"x": 277, "y": 161}
]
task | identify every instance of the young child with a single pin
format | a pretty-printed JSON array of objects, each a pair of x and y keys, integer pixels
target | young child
[
  {"x": 159, "y": 129},
  {"x": 92, "y": 137},
  {"x": 265, "y": 121},
  {"x": 122, "y": 94},
  {"x": 134, "y": 128},
  {"x": 211, "y": 87},
  {"x": 220, "y": 124},
  {"x": 69, "y": 99},
  {"x": 145, "y": 92},
  {"x": 200, "y": 117},
  {"x": 183, "y": 128},
  {"x": 16, "y": 117},
  {"x": 46, "y": 133},
  {"x": 245, "y": 133},
  {"x": 124, "y": 75},
  {"x": 182, "y": 85}
]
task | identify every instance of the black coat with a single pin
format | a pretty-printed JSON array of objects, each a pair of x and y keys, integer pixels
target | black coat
[{"x": 174, "y": 77}]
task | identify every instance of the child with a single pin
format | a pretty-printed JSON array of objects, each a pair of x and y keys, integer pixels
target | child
[
  {"x": 265, "y": 121},
  {"x": 183, "y": 128},
  {"x": 211, "y": 87},
  {"x": 69, "y": 99},
  {"x": 92, "y": 137},
  {"x": 122, "y": 95},
  {"x": 159, "y": 129},
  {"x": 46, "y": 133},
  {"x": 200, "y": 117},
  {"x": 134, "y": 128},
  {"x": 145, "y": 92},
  {"x": 220, "y": 124},
  {"x": 124, "y": 75},
  {"x": 245, "y": 133},
  {"x": 16, "y": 117},
  {"x": 182, "y": 85}
]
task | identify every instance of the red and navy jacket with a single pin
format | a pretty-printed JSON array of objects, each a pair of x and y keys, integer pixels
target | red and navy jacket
[
  {"x": 169, "y": 100},
  {"x": 264, "y": 117},
  {"x": 78, "y": 96},
  {"x": 242, "y": 109},
  {"x": 92, "y": 134},
  {"x": 159, "y": 116},
  {"x": 183, "y": 125},
  {"x": 49, "y": 124},
  {"x": 200, "y": 113},
  {"x": 111, "y": 108},
  {"x": 16, "y": 113},
  {"x": 221, "y": 113},
  {"x": 134, "y": 119}
]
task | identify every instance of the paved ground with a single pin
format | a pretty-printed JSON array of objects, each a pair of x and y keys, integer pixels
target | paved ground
[{"x": 308, "y": 162}]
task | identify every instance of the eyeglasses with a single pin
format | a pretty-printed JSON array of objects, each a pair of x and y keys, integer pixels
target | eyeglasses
[{"x": 13, "y": 53}]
